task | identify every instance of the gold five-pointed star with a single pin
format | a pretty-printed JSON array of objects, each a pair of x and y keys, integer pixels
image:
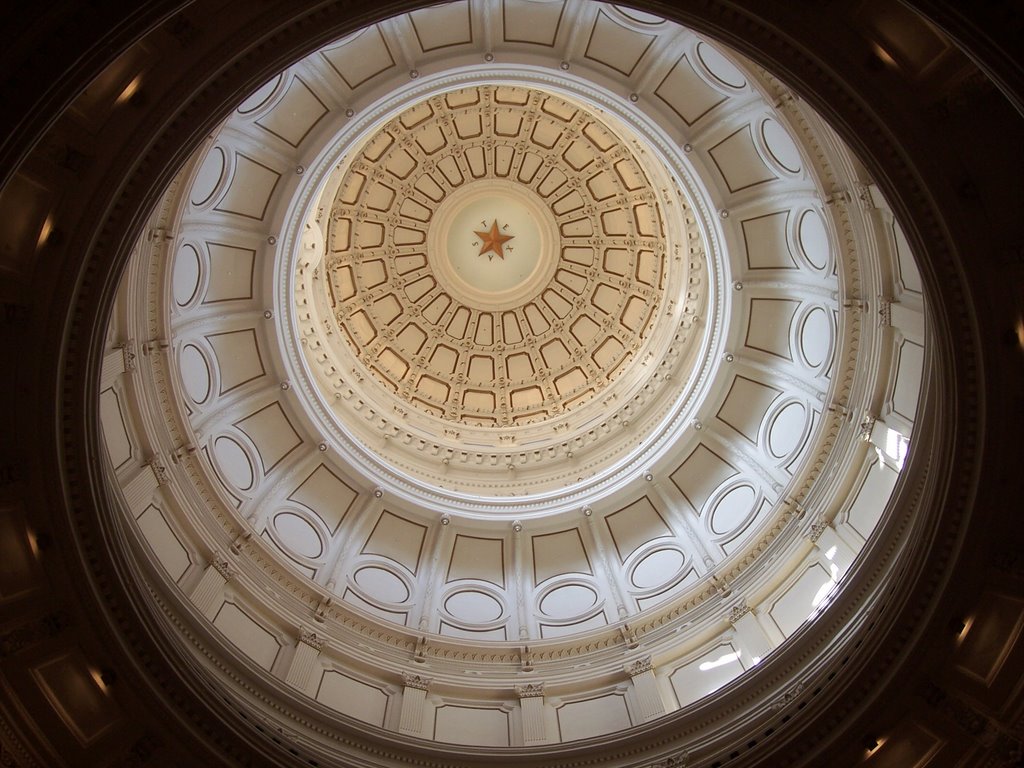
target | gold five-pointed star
[{"x": 493, "y": 241}]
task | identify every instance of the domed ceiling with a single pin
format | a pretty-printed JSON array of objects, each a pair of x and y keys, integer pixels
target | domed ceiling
[
  {"x": 497, "y": 261},
  {"x": 511, "y": 380}
]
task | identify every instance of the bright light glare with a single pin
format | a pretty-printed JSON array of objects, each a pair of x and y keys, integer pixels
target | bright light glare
[
  {"x": 825, "y": 588},
  {"x": 721, "y": 661},
  {"x": 896, "y": 447}
]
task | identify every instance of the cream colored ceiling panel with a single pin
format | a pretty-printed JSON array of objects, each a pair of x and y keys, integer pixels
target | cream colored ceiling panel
[
  {"x": 294, "y": 561},
  {"x": 799, "y": 600},
  {"x": 529, "y": 21},
  {"x": 700, "y": 474},
  {"x": 247, "y": 634},
  {"x": 327, "y": 495},
  {"x": 812, "y": 238},
  {"x": 549, "y": 630},
  {"x": 769, "y": 325},
  {"x": 746, "y": 405},
  {"x": 766, "y": 241},
  {"x": 187, "y": 273},
  {"x": 739, "y": 538},
  {"x": 398, "y": 539},
  {"x": 686, "y": 93},
  {"x": 739, "y": 162},
  {"x": 906, "y": 384},
  {"x": 443, "y": 26},
  {"x": 210, "y": 178},
  {"x": 634, "y": 526},
  {"x": 271, "y": 433},
  {"x": 352, "y": 697},
  {"x": 909, "y": 277},
  {"x": 395, "y": 617},
  {"x": 875, "y": 486},
  {"x": 74, "y": 692},
  {"x": 261, "y": 96},
  {"x": 616, "y": 46},
  {"x": 249, "y": 191},
  {"x": 719, "y": 67},
  {"x": 558, "y": 553},
  {"x": 196, "y": 375},
  {"x": 382, "y": 584},
  {"x": 238, "y": 358},
  {"x": 360, "y": 57},
  {"x": 593, "y": 717},
  {"x": 298, "y": 535},
  {"x": 475, "y": 557},
  {"x": 816, "y": 337},
  {"x": 915, "y": 745},
  {"x": 656, "y": 568},
  {"x": 787, "y": 429},
  {"x": 677, "y": 587},
  {"x": 115, "y": 431},
  {"x": 230, "y": 273},
  {"x": 167, "y": 547},
  {"x": 986, "y": 644},
  {"x": 472, "y": 725},
  {"x": 498, "y": 634},
  {"x": 731, "y": 509},
  {"x": 233, "y": 464},
  {"x": 295, "y": 115},
  {"x": 473, "y": 606},
  {"x": 706, "y": 673},
  {"x": 567, "y": 601},
  {"x": 781, "y": 147}
]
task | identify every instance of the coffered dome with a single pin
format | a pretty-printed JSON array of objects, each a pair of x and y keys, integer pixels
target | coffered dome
[
  {"x": 509, "y": 385},
  {"x": 496, "y": 277}
]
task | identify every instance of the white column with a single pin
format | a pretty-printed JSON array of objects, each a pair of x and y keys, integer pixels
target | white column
[
  {"x": 828, "y": 540},
  {"x": 307, "y": 651},
  {"x": 209, "y": 592},
  {"x": 414, "y": 701},
  {"x": 750, "y": 635},
  {"x": 645, "y": 686},
  {"x": 531, "y": 703},
  {"x": 138, "y": 491},
  {"x": 112, "y": 367}
]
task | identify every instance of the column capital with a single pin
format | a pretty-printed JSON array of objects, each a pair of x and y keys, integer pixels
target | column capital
[
  {"x": 639, "y": 666},
  {"x": 312, "y": 639},
  {"x": 738, "y": 611},
  {"x": 418, "y": 682},
  {"x": 530, "y": 690},
  {"x": 224, "y": 567}
]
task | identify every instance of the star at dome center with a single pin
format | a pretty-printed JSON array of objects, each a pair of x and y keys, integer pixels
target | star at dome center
[{"x": 493, "y": 241}]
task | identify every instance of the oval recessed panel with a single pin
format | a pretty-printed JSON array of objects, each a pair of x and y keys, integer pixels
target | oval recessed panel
[
  {"x": 780, "y": 145},
  {"x": 473, "y": 607},
  {"x": 185, "y": 280},
  {"x": 567, "y": 601},
  {"x": 260, "y": 97},
  {"x": 816, "y": 337},
  {"x": 641, "y": 17},
  {"x": 234, "y": 463},
  {"x": 657, "y": 568},
  {"x": 298, "y": 535},
  {"x": 382, "y": 584},
  {"x": 209, "y": 176},
  {"x": 732, "y": 509},
  {"x": 723, "y": 70},
  {"x": 786, "y": 430},
  {"x": 813, "y": 239},
  {"x": 195, "y": 374}
]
